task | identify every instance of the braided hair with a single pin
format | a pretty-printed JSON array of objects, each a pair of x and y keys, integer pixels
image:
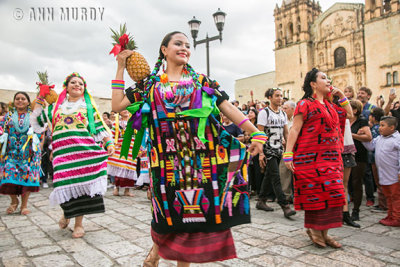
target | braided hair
[{"x": 311, "y": 76}]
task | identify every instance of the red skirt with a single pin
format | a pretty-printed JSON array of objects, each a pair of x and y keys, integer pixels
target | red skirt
[
  {"x": 123, "y": 182},
  {"x": 324, "y": 219},
  {"x": 13, "y": 189},
  {"x": 195, "y": 247}
]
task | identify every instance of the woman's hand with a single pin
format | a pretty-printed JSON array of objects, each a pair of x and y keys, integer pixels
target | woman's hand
[
  {"x": 122, "y": 56},
  {"x": 255, "y": 148},
  {"x": 338, "y": 92},
  {"x": 51, "y": 156},
  {"x": 110, "y": 150},
  {"x": 289, "y": 165}
]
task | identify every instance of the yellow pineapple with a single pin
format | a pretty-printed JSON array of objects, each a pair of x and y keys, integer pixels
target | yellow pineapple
[
  {"x": 51, "y": 96},
  {"x": 136, "y": 64}
]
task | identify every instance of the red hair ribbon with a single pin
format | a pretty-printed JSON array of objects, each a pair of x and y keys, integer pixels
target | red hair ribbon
[
  {"x": 122, "y": 42},
  {"x": 44, "y": 89}
]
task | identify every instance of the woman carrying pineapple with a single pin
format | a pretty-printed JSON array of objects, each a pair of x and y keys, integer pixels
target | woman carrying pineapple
[
  {"x": 20, "y": 154},
  {"x": 198, "y": 171},
  {"x": 80, "y": 164}
]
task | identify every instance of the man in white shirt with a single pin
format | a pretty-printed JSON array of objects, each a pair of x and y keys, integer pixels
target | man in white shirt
[{"x": 273, "y": 121}]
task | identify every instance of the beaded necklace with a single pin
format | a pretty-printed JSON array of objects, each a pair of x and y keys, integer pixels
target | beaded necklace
[
  {"x": 176, "y": 93},
  {"x": 21, "y": 122}
]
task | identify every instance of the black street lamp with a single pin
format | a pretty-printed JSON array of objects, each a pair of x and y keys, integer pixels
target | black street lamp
[{"x": 219, "y": 19}]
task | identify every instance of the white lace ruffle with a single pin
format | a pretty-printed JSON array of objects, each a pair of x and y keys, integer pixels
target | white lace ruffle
[
  {"x": 37, "y": 112},
  {"x": 121, "y": 172},
  {"x": 63, "y": 194},
  {"x": 144, "y": 178},
  {"x": 100, "y": 136}
]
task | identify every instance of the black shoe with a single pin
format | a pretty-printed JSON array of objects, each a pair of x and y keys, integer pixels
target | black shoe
[
  {"x": 347, "y": 220},
  {"x": 262, "y": 206},
  {"x": 287, "y": 211},
  {"x": 355, "y": 216}
]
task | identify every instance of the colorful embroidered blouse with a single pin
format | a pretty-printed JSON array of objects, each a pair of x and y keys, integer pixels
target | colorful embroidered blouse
[
  {"x": 80, "y": 164},
  {"x": 196, "y": 186},
  {"x": 19, "y": 164}
]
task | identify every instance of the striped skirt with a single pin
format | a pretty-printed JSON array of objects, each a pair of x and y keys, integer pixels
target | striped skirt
[
  {"x": 323, "y": 219},
  {"x": 195, "y": 247},
  {"x": 83, "y": 205}
]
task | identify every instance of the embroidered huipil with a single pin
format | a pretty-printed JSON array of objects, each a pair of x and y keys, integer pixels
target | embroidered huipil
[
  {"x": 196, "y": 186},
  {"x": 80, "y": 164},
  {"x": 19, "y": 165},
  {"x": 318, "y": 176}
]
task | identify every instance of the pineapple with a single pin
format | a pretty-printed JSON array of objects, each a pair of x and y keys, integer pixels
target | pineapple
[
  {"x": 52, "y": 96},
  {"x": 136, "y": 64}
]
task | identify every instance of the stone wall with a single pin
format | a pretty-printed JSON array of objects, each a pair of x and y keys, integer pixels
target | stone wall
[
  {"x": 382, "y": 47},
  {"x": 257, "y": 83}
]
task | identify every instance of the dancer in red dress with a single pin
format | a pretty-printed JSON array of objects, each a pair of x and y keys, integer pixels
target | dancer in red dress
[{"x": 316, "y": 139}]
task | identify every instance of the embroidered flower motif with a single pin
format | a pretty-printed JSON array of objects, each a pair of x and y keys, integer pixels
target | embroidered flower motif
[
  {"x": 80, "y": 117},
  {"x": 68, "y": 120},
  {"x": 58, "y": 118}
]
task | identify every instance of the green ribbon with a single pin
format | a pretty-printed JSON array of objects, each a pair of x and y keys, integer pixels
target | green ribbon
[
  {"x": 129, "y": 131},
  {"x": 209, "y": 107},
  {"x": 92, "y": 128}
]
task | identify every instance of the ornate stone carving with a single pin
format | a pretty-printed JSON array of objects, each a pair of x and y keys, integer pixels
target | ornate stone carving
[{"x": 338, "y": 26}]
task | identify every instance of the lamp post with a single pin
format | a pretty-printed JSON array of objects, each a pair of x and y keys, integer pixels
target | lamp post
[{"x": 219, "y": 19}]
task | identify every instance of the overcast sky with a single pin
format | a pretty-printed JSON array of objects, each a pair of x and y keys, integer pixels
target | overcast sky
[{"x": 61, "y": 47}]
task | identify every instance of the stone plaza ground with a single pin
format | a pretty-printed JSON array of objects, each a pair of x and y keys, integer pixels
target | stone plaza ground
[{"x": 121, "y": 237}]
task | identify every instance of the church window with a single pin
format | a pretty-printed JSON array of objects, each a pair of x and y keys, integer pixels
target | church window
[
  {"x": 386, "y": 6},
  {"x": 340, "y": 57},
  {"x": 396, "y": 77},
  {"x": 388, "y": 78},
  {"x": 289, "y": 33}
]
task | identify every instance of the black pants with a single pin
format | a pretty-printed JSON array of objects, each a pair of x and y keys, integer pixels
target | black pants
[
  {"x": 271, "y": 176},
  {"x": 369, "y": 182},
  {"x": 255, "y": 175},
  {"x": 357, "y": 175}
]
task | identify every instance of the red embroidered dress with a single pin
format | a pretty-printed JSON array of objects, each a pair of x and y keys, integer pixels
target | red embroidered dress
[{"x": 318, "y": 176}]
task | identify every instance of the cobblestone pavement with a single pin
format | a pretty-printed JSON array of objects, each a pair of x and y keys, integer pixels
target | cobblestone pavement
[{"x": 121, "y": 237}]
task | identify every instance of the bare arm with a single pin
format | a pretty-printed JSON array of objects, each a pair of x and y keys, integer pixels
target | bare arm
[
  {"x": 349, "y": 110},
  {"x": 236, "y": 116},
  {"x": 119, "y": 100},
  {"x": 285, "y": 133},
  {"x": 363, "y": 135},
  {"x": 292, "y": 137},
  {"x": 392, "y": 97}
]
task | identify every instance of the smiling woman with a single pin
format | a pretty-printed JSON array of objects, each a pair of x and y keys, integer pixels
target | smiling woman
[
  {"x": 198, "y": 170},
  {"x": 20, "y": 154},
  {"x": 80, "y": 164}
]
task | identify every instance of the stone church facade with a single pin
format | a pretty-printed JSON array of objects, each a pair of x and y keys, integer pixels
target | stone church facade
[{"x": 355, "y": 44}]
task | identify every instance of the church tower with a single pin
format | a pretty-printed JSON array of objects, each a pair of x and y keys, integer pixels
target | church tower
[{"x": 293, "y": 47}]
